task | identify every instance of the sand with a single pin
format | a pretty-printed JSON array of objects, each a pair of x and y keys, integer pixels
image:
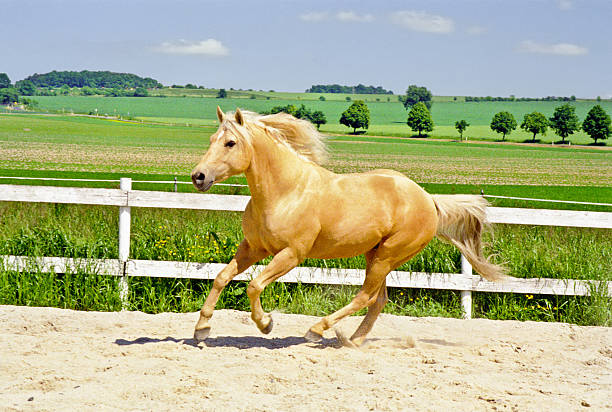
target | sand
[{"x": 55, "y": 359}]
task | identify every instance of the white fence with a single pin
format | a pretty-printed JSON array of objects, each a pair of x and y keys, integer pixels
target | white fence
[{"x": 126, "y": 198}]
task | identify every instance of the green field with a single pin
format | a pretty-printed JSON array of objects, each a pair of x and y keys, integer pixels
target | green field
[
  {"x": 387, "y": 118},
  {"x": 84, "y": 147}
]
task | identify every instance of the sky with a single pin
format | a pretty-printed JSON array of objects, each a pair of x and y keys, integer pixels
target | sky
[{"x": 452, "y": 47}]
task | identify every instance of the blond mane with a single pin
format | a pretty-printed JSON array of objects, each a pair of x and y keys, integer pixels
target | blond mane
[{"x": 297, "y": 134}]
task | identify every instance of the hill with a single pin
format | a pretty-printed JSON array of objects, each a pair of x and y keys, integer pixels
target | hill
[{"x": 96, "y": 79}]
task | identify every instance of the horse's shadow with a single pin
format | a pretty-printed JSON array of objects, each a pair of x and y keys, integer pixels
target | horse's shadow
[{"x": 239, "y": 342}]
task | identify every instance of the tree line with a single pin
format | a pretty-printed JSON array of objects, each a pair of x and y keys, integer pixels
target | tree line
[
  {"x": 564, "y": 121},
  {"x": 336, "y": 88},
  {"x": 511, "y": 98},
  {"x": 316, "y": 117},
  {"x": 94, "y": 79}
]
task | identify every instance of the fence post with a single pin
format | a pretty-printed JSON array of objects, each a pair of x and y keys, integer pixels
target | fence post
[
  {"x": 466, "y": 295},
  {"x": 124, "y": 242},
  {"x": 175, "y": 185}
]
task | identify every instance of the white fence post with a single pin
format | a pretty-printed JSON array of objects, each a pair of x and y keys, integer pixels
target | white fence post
[
  {"x": 466, "y": 295},
  {"x": 124, "y": 242}
]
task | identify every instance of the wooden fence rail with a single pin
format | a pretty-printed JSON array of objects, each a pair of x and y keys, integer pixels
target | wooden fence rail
[{"x": 126, "y": 198}]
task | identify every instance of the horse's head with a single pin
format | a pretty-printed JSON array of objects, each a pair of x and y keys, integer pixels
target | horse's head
[{"x": 229, "y": 153}]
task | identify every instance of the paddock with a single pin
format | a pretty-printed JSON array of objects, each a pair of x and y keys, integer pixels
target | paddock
[{"x": 56, "y": 359}]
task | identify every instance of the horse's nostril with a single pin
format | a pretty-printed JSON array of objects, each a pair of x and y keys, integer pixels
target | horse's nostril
[{"x": 199, "y": 176}]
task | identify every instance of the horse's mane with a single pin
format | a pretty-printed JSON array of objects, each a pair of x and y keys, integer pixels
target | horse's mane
[{"x": 299, "y": 135}]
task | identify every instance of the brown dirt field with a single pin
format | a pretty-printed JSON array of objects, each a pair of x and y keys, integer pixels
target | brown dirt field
[{"x": 55, "y": 359}]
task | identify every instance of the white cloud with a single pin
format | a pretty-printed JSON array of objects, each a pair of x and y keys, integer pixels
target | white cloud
[
  {"x": 565, "y": 4},
  {"x": 351, "y": 16},
  {"x": 314, "y": 16},
  {"x": 209, "y": 47},
  {"x": 560, "y": 49},
  {"x": 343, "y": 16},
  {"x": 423, "y": 21},
  {"x": 476, "y": 30}
]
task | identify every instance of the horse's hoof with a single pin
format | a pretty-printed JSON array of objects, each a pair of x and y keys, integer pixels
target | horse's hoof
[
  {"x": 313, "y": 336},
  {"x": 201, "y": 334},
  {"x": 268, "y": 328}
]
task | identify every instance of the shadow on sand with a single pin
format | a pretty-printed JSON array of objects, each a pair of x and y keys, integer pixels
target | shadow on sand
[{"x": 239, "y": 342}]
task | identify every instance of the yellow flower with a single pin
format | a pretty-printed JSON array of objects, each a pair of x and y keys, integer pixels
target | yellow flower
[{"x": 529, "y": 297}]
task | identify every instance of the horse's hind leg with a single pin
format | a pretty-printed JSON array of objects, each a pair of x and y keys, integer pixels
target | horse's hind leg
[
  {"x": 367, "y": 296},
  {"x": 373, "y": 311},
  {"x": 389, "y": 255},
  {"x": 244, "y": 258}
]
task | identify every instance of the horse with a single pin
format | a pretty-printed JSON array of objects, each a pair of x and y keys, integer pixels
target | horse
[{"x": 298, "y": 210}]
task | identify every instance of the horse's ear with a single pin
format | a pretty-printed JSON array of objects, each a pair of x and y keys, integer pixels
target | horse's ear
[
  {"x": 239, "y": 117},
  {"x": 220, "y": 114}
]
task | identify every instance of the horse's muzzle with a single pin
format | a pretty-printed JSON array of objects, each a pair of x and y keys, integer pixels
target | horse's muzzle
[{"x": 201, "y": 181}]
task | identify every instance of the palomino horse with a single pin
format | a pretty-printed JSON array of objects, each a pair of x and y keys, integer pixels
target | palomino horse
[{"x": 300, "y": 210}]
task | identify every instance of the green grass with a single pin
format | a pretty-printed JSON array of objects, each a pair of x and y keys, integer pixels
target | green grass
[
  {"x": 36, "y": 143},
  {"x": 200, "y": 236},
  {"x": 78, "y": 147},
  {"x": 387, "y": 118}
]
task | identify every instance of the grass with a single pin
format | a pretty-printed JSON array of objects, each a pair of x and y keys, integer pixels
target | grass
[
  {"x": 78, "y": 147},
  {"x": 387, "y": 118},
  {"x": 201, "y": 236},
  {"x": 68, "y": 144}
]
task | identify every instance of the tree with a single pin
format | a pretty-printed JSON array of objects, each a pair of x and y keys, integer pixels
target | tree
[
  {"x": 419, "y": 118},
  {"x": 461, "y": 126},
  {"x": 9, "y": 95},
  {"x": 302, "y": 112},
  {"x": 289, "y": 109},
  {"x": 535, "y": 122},
  {"x": 141, "y": 92},
  {"x": 597, "y": 123},
  {"x": 416, "y": 94},
  {"x": 26, "y": 88},
  {"x": 356, "y": 116},
  {"x": 504, "y": 123},
  {"x": 64, "y": 90},
  {"x": 564, "y": 121},
  {"x": 5, "y": 82},
  {"x": 222, "y": 94},
  {"x": 318, "y": 118}
]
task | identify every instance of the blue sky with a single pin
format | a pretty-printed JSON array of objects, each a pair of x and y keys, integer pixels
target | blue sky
[{"x": 453, "y": 47}]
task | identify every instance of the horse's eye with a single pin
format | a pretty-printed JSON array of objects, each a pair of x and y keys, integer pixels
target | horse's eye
[{"x": 230, "y": 143}]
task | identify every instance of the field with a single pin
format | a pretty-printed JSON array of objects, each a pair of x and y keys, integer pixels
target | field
[
  {"x": 387, "y": 118},
  {"x": 84, "y": 147}
]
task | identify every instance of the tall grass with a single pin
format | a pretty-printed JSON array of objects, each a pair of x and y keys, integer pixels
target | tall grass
[{"x": 206, "y": 236}]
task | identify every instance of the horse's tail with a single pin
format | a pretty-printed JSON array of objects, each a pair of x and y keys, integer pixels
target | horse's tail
[{"x": 461, "y": 221}]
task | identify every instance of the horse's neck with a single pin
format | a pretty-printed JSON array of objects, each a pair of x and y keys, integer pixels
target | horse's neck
[{"x": 275, "y": 171}]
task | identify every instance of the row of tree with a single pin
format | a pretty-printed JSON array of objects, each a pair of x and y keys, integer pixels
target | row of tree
[
  {"x": 564, "y": 121},
  {"x": 520, "y": 99},
  {"x": 336, "y": 88},
  {"x": 316, "y": 117},
  {"x": 96, "y": 79},
  {"x": 597, "y": 123}
]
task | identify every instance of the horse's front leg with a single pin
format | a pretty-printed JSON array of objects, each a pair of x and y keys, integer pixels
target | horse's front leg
[
  {"x": 244, "y": 258},
  {"x": 282, "y": 263}
]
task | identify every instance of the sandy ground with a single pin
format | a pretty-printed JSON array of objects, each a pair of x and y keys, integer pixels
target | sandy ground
[{"x": 54, "y": 359}]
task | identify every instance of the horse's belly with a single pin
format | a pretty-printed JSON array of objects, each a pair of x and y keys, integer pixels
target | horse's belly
[{"x": 347, "y": 238}]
